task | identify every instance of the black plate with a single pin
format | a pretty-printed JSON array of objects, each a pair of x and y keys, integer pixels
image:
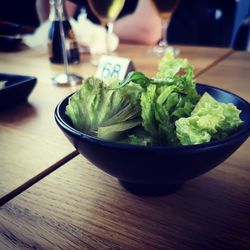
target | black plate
[{"x": 17, "y": 89}]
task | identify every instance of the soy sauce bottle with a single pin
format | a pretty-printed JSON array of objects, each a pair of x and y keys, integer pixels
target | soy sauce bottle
[{"x": 55, "y": 41}]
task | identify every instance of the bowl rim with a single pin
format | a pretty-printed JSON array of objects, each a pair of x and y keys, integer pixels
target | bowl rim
[{"x": 243, "y": 132}]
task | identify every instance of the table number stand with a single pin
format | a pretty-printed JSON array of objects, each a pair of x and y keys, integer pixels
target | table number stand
[{"x": 114, "y": 66}]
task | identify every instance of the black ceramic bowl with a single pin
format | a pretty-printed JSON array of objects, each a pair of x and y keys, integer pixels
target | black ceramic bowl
[{"x": 157, "y": 169}]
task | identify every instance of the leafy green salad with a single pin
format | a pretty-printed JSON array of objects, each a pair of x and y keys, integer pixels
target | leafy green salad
[{"x": 165, "y": 110}]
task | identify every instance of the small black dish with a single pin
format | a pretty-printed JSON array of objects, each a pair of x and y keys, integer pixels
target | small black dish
[
  {"x": 158, "y": 170},
  {"x": 16, "y": 89}
]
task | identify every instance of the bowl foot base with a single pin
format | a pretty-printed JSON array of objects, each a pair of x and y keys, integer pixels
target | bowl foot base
[{"x": 150, "y": 190}]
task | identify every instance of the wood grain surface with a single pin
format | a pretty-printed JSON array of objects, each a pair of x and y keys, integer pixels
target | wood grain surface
[
  {"x": 232, "y": 74},
  {"x": 30, "y": 140},
  {"x": 201, "y": 57},
  {"x": 81, "y": 207}
]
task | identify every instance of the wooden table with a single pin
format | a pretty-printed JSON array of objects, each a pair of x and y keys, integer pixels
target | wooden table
[{"x": 80, "y": 207}]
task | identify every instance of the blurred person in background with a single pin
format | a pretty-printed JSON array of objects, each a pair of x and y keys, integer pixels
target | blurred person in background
[
  {"x": 195, "y": 22},
  {"x": 131, "y": 26},
  {"x": 203, "y": 22}
]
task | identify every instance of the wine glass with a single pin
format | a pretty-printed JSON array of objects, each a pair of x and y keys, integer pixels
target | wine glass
[
  {"x": 165, "y": 9},
  {"x": 65, "y": 78},
  {"x": 106, "y": 11}
]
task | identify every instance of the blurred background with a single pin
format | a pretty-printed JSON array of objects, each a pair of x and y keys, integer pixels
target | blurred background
[{"x": 219, "y": 23}]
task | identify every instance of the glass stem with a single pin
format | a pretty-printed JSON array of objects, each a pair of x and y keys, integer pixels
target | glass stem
[
  {"x": 164, "y": 28},
  {"x": 62, "y": 34},
  {"x": 110, "y": 28}
]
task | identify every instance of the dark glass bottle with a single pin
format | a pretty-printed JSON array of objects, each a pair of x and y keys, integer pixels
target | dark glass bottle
[{"x": 55, "y": 42}]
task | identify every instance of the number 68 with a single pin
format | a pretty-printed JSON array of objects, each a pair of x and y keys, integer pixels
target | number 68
[{"x": 111, "y": 70}]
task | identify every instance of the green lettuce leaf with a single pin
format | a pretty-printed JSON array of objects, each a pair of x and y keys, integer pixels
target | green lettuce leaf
[
  {"x": 170, "y": 96},
  {"x": 96, "y": 107},
  {"x": 170, "y": 66},
  {"x": 135, "y": 77},
  {"x": 140, "y": 140},
  {"x": 148, "y": 111},
  {"x": 115, "y": 132},
  {"x": 209, "y": 120}
]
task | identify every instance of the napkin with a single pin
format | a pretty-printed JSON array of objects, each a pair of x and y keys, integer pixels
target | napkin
[{"x": 88, "y": 34}]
